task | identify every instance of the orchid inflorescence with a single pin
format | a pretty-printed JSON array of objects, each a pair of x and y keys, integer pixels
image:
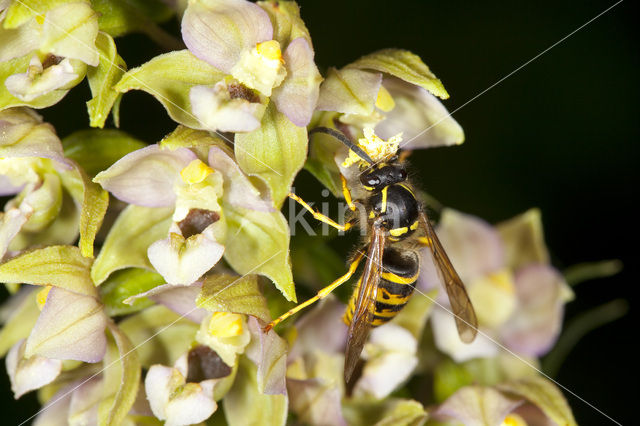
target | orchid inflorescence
[{"x": 141, "y": 275}]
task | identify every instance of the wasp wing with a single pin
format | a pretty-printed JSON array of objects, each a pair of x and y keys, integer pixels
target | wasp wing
[
  {"x": 465, "y": 316},
  {"x": 365, "y": 302}
]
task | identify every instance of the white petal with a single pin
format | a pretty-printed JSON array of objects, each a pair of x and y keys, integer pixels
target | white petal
[
  {"x": 193, "y": 404},
  {"x": 28, "y": 87},
  {"x": 181, "y": 261},
  {"x": 477, "y": 406},
  {"x": 218, "y": 112},
  {"x": 10, "y": 224},
  {"x": 30, "y": 373},
  {"x": 70, "y": 326},
  {"x": 446, "y": 338},
  {"x": 383, "y": 374},
  {"x": 159, "y": 383}
]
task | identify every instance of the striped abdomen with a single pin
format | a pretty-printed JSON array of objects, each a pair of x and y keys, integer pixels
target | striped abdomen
[{"x": 397, "y": 282}]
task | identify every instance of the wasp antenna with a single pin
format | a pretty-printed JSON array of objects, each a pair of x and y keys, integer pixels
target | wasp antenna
[{"x": 345, "y": 140}]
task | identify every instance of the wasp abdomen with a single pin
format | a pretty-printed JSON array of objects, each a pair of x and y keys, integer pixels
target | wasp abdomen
[{"x": 400, "y": 271}]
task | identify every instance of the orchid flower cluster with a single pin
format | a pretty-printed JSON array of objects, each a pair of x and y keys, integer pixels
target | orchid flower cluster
[{"x": 141, "y": 275}]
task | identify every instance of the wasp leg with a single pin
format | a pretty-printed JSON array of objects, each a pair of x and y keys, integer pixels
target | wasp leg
[
  {"x": 404, "y": 155},
  {"x": 320, "y": 216},
  {"x": 347, "y": 193},
  {"x": 321, "y": 294}
]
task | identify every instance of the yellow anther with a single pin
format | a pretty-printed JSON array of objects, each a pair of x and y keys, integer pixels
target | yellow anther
[
  {"x": 195, "y": 172},
  {"x": 514, "y": 419},
  {"x": 503, "y": 280},
  {"x": 40, "y": 19},
  {"x": 384, "y": 101},
  {"x": 270, "y": 50},
  {"x": 41, "y": 297},
  {"x": 225, "y": 324}
]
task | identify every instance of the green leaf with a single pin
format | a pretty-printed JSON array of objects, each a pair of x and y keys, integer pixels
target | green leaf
[
  {"x": 576, "y": 274},
  {"x": 120, "y": 17},
  {"x": 23, "y": 317},
  {"x": 20, "y": 66},
  {"x": 126, "y": 283},
  {"x": 524, "y": 239},
  {"x": 169, "y": 78},
  {"x": 96, "y": 150},
  {"x": 404, "y": 65},
  {"x": 258, "y": 243},
  {"x": 246, "y": 405},
  {"x": 275, "y": 152},
  {"x": 159, "y": 335},
  {"x": 102, "y": 79},
  {"x": 389, "y": 412},
  {"x": 230, "y": 293},
  {"x": 126, "y": 245},
  {"x": 544, "y": 395},
  {"x": 59, "y": 266},
  {"x": 121, "y": 379}
]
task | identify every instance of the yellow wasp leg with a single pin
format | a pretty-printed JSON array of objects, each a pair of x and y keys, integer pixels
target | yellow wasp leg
[
  {"x": 347, "y": 193},
  {"x": 320, "y": 216},
  {"x": 321, "y": 294}
]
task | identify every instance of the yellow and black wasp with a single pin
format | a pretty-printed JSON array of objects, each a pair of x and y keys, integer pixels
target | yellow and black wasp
[{"x": 397, "y": 227}]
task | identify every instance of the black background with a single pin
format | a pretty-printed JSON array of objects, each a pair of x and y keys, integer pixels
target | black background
[{"x": 560, "y": 134}]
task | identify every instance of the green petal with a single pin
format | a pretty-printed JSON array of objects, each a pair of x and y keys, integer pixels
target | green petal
[
  {"x": 121, "y": 379},
  {"x": 21, "y": 11},
  {"x": 95, "y": 201},
  {"x": 322, "y": 151},
  {"x": 523, "y": 239},
  {"x": 351, "y": 91},
  {"x": 274, "y": 152},
  {"x": 404, "y": 65},
  {"x": 544, "y": 395},
  {"x": 159, "y": 335},
  {"x": 169, "y": 78},
  {"x": 96, "y": 150},
  {"x": 102, "y": 79},
  {"x": 130, "y": 236},
  {"x": 258, "y": 243},
  {"x": 575, "y": 274},
  {"x": 229, "y": 293},
  {"x": 389, "y": 412},
  {"x": 126, "y": 283},
  {"x": 246, "y": 405},
  {"x": 59, "y": 266},
  {"x": 20, "y": 323}
]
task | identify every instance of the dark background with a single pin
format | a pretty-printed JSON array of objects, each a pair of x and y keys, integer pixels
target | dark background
[{"x": 560, "y": 134}]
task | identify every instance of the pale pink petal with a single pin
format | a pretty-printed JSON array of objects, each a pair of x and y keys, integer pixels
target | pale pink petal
[
  {"x": 534, "y": 327},
  {"x": 447, "y": 340},
  {"x": 146, "y": 177},
  {"x": 238, "y": 190},
  {"x": 70, "y": 326},
  {"x": 316, "y": 403},
  {"x": 298, "y": 94},
  {"x": 56, "y": 411},
  {"x": 83, "y": 409},
  {"x": 10, "y": 224},
  {"x": 268, "y": 352},
  {"x": 180, "y": 299},
  {"x": 181, "y": 261},
  {"x": 218, "y": 31},
  {"x": 31, "y": 373},
  {"x": 474, "y": 246},
  {"x": 321, "y": 329},
  {"x": 477, "y": 406},
  {"x": 23, "y": 134},
  {"x": 28, "y": 86},
  {"x": 420, "y": 116}
]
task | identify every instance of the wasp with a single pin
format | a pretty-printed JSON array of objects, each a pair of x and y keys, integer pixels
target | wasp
[{"x": 397, "y": 228}]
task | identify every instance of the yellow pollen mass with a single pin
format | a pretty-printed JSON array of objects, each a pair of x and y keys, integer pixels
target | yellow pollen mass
[
  {"x": 195, "y": 172},
  {"x": 225, "y": 324},
  {"x": 40, "y": 19},
  {"x": 513, "y": 419},
  {"x": 503, "y": 280},
  {"x": 384, "y": 101},
  {"x": 377, "y": 148},
  {"x": 41, "y": 297},
  {"x": 270, "y": 50}
]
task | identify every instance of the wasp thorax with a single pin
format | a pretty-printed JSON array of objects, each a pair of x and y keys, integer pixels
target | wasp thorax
[{"x": 389, "y": 174}]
